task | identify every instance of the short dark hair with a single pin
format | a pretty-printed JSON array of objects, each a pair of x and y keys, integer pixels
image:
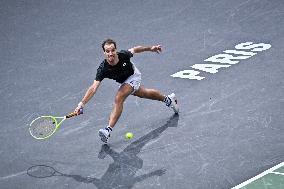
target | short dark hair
[{"x": 108, "y": 41}]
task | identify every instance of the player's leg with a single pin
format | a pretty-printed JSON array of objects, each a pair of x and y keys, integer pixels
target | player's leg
[
  {"x": 153, "y": 94},
  {"x": 123, "y": 92}
]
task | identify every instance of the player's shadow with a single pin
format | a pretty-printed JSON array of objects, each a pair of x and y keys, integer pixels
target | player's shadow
[{"x": 122, "y": 172}]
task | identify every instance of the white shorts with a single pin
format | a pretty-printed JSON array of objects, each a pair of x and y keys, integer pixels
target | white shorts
[{"x": 134, "y": 80}]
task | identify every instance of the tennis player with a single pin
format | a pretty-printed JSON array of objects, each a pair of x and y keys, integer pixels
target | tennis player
[{"x": 117, "y": 66}]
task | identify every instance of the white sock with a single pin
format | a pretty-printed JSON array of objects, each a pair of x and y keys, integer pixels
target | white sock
[
  {"x": 168, "y": 101},
  {"x": 109, "y": 129}
]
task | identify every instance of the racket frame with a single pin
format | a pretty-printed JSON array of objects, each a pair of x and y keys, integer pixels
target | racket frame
[{"x": 55, "y": 119}]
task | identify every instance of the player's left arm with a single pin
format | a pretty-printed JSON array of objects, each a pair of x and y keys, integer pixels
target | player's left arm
[{"x": 139, "y": 49}]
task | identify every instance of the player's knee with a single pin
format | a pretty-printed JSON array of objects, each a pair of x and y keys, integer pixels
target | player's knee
[
  {"x": 119, "y": 99},
  {"x": 148, "y": 93},
  {"x": 143, "y": 94}
]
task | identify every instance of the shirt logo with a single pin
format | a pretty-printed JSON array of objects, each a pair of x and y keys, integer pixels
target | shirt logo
[{"x": 124, "y": 64}]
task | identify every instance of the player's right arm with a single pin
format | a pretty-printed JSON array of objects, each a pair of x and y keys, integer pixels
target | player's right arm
[{"x": 88, "y": 95}]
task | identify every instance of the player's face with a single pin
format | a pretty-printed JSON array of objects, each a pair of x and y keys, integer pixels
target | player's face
[{"x": 110, "y": 54}]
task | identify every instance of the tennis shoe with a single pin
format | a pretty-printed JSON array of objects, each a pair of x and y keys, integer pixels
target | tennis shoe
[
  {"x": 104, "y": 134},
  {"x": 174, "y": 103}
]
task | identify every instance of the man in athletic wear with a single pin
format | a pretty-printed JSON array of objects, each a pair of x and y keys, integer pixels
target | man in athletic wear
[{"x": 117, "y": 66}]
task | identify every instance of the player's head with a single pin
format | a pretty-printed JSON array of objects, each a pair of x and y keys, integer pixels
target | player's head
[
  {"x": 108, "y": 42},
  {"x": 109, "y": 47}
]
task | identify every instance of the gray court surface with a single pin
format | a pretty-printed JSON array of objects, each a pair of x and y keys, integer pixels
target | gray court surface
[{"x": 230, "y": 126}]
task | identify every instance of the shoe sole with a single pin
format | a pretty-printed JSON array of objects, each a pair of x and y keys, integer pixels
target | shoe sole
[
  {"x": 176, "y": 110},
  {"x": 103, "y": 137}
]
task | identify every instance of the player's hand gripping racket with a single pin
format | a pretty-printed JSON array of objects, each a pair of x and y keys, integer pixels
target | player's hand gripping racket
[{"x": 44, "y": 127}]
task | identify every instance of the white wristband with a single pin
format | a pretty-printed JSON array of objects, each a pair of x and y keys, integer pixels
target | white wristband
[{"x": 81, "y": 104}]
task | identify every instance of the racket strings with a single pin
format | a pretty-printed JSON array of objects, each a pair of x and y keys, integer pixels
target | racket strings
[{"x": 43, "y": 127}]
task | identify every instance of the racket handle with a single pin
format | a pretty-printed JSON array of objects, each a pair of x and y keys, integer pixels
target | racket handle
[{"x": 74, "y": 113}]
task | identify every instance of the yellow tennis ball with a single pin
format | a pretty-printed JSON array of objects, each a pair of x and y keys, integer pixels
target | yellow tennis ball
[{"x": 129, "y": 135}]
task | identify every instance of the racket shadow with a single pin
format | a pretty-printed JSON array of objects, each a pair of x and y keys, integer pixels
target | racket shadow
[
  {"x": 122, "y": 172},
  {"x": 46, "y": 171}
]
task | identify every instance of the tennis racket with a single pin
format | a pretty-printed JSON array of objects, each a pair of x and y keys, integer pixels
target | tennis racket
[{"x": 44, "y": 127}]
